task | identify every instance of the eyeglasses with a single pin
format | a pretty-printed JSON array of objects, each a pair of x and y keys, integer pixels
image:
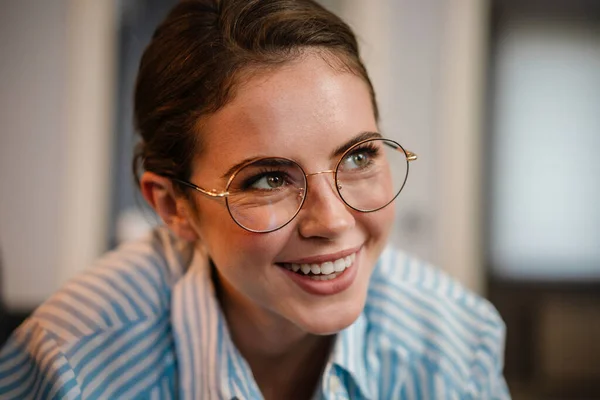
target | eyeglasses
[{"x": 266, "y": 194}]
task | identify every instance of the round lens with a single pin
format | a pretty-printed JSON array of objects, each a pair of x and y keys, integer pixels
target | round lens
[
  {"x": 266, "y": 194},
  {"x": 371, "y": 174}
]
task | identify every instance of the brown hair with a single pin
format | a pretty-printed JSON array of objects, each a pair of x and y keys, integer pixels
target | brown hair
[{"x": 198, "y": 55}]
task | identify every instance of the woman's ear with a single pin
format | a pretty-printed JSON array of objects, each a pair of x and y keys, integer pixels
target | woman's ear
[{"x": 172, "y": 207}]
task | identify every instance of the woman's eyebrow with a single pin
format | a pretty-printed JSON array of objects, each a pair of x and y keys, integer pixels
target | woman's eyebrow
[
  {"x": 336, "y": 153},
  {"x": 260, "y": 162},
  {"x": 237, "y": 166},
  {"x": 357, "y": 139}
]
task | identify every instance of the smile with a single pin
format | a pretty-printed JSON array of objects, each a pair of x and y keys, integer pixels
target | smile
[
  {"x": 324, "y": 271},
  {"x": 324, "y": 275}
]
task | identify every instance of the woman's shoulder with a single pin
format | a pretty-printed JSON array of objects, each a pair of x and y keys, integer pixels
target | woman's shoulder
[
  {"x": 106, "y": 333},
  {"x": 128, "y": 285},
  {"x": 428, "y": 319}
]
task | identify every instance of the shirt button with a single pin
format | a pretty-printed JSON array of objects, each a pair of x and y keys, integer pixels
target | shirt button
[{"x": 334, "y": 383}]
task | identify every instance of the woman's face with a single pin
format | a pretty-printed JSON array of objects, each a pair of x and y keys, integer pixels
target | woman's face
[{"x": 303, "y": 111}]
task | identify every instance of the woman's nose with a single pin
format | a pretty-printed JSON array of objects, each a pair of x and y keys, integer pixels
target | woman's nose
[{"x": 323, "y": 214}]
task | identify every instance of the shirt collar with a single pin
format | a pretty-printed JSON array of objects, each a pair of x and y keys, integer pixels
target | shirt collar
[{"x": 206, "y": 356}]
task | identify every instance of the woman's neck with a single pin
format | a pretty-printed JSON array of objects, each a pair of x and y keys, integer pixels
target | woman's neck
[{"x": 286, "y": 362}]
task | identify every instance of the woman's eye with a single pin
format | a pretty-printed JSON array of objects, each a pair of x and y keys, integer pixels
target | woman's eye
[
  {"x": 357, "y": 160},
  {"x": 267, "y": 182}
]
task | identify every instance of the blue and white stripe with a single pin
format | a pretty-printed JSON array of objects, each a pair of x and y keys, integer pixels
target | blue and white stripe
[{"x": 144, "y": 323}]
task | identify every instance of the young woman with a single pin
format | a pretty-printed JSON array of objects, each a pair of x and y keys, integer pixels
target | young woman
[{"x": 270, "y": 278}]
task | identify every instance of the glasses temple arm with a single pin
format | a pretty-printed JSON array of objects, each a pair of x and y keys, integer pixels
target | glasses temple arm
[{"x": 211, "y": 193}]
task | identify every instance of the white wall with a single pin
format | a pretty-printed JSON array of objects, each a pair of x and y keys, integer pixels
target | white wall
[
  {"x": 459, "y": 140},
  {"x": 55, "y": 66},
  {"x": 91, "y": 65},
  {"x": 32, "y": 113}
]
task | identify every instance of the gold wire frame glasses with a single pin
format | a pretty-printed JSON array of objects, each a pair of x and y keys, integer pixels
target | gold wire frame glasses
[{"x": 266, "y": 194}]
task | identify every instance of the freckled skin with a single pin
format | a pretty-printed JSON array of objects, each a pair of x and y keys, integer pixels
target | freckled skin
[{"x": 302, "y": 111}]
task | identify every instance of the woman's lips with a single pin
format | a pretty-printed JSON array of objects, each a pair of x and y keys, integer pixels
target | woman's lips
[
  {"x": 329, "y": 277},
  {"x": 323, "y": 258}
]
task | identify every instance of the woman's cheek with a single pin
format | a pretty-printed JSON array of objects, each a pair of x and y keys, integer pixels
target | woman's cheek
[
  {"x": 241, "y": 247},
  {"x": 379, "y": 223}
]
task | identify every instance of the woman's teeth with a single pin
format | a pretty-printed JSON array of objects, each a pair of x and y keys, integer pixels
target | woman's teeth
[{"x": 325, "y": 271}]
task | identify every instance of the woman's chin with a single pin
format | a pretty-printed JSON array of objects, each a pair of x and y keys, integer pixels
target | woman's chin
[{"x": 330, "y": 322}]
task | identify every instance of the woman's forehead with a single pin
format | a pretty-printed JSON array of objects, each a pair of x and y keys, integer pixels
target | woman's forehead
[{"x": 305, "y": 106}]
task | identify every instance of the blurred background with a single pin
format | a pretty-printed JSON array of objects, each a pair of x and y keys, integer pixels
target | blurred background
[{"x": 499, "y": 98}]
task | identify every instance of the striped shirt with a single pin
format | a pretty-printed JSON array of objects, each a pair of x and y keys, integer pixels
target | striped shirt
[{"x": 144, "y": 322}]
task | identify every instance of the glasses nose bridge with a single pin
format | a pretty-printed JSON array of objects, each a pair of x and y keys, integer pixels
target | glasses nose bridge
[{"x": 328, "y": 171}]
